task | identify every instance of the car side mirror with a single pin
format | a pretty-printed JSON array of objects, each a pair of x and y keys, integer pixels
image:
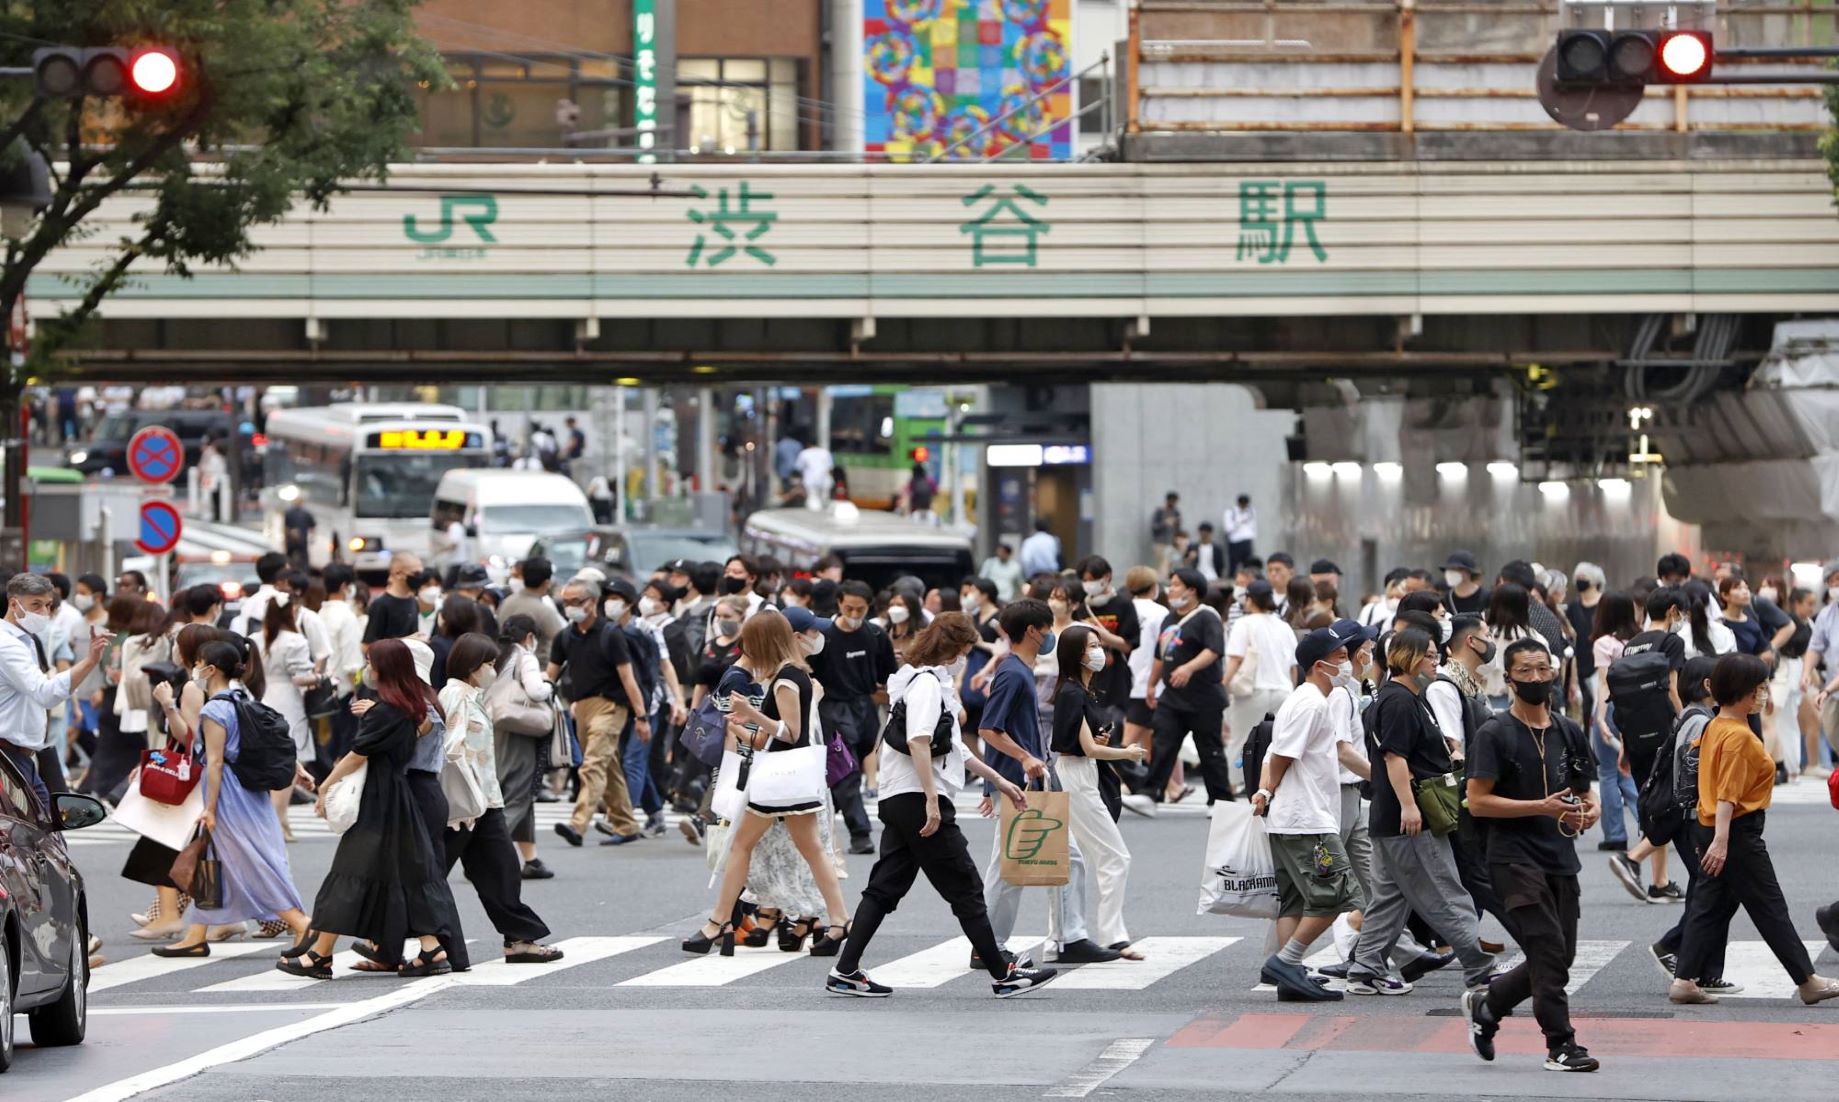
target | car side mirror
[{"x": 72, "y": 811}]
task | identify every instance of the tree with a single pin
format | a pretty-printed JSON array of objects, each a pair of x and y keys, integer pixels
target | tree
[{"x": 282, "y": 101}]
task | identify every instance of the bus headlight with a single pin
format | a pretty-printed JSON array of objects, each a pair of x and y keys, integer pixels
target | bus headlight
[
  {"x": 288, "y": 493},
  {"x": 364, "y": 543}
]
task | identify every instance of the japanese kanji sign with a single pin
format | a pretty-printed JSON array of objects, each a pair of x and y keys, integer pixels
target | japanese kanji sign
[
  {"x": 1264, "y": 234},
  {"x": 1006, "y": 231},
  {"x": 723, "y": 222}
]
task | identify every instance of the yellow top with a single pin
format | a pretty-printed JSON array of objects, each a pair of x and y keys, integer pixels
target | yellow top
[{"x": 1734, "y": 766}]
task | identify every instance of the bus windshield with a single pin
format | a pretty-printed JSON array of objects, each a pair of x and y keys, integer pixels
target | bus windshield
[
  {"x": 401, "y": 484},
  {"x": 523, "y": 519}
]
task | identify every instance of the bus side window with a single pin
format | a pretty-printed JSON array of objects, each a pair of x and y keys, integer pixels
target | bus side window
[{"x": 445, "y": 513}]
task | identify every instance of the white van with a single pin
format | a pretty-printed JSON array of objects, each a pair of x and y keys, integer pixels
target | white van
[{"x": 504, "y": 512}]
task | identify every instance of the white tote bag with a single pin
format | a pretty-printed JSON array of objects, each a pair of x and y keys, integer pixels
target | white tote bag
[
  {"x": 343, "y": 798},
  {"x": 1239, "y": 877},
  {"x": 171, "y": 826},
  {"x": 729, "y": 799},
  {"x": 787, "y": 778}
]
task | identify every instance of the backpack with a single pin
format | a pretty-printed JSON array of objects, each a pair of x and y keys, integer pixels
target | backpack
[
  {"x": 265, "y": 758},
  {"x": 643, "y": 648},
  {"x": 1638, "y": 688},
  {"x": 1257, "y": 745},
  {"x": 1657, "y": 807}
]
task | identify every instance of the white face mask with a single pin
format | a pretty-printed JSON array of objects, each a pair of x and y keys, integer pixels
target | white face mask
[
  {"x": 200, "y": 678},
  {"x": 1097, "y": 588},
  {"x": 1454, "y": 578},
  {"x": 1344, "y": 675},
  {"x": 33, "y": 622},
  {"x": 1444, "y": 628},
  {"x": 1767, "y": 594},
  {"x": 487, "y": 675},
  {"x": 897, "y": 614},
  {"x": 1832, "y": 592},
  {"x": 650, "y": 606},
  {"x": 849, "y": 623},
  {"x": 515, "y": 585},
  {"x": 575, "y": 614},
  {"x": 280, "y": 600},
  {"x": 1095, "y": 659},
  {"x": 971, "y": 602},
  {"x": 84, "y": 602},
  {"x": 814, "y": 643},
  {"x": 430, "y": 595},
  {"x": 1178, "y": 601},
  {"x": 615, "y": 608}
]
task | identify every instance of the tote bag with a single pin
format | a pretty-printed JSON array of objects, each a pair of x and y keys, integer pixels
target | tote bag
[
  {"x": 1238, "y": 875},
  {"x": 465, "y": 796},
  {"x": 1034, "y": 841},
  {"x": 787, "y": 778},
  {"x": 509, "y": 705},
  {"x": 344, "y": 798}
]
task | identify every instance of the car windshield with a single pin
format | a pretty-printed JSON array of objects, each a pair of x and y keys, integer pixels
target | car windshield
[
  {"x": 526, "y": 519},
  {"x": 400, "y": 485},
  {"x": 566, "y": 555},
  {"x": 650, "y": 550},
  {"x": 120, "y": 426},
  {"x": 240, "y": 575}
]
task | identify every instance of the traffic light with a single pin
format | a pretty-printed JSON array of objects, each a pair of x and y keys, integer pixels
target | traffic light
[
  {"x": 920, "y": 454},
  {"x": 147, "y": 73},
  {"x": 1633, "y": 59}
]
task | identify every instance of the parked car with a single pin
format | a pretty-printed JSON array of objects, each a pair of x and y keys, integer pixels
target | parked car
[
  {"x": 44, "y": 915},
  {"x": 108, "y": 448},
  {"x": 630, "y": 552}
]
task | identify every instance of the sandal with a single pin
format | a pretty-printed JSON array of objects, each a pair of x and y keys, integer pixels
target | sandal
[
  {"x": 202, "y": 949},
  {"x": 1125, "y": 952},
  {"x": 704, "y": 941},
  {"x": 309, "y": 965},
  {"x": 301, "y": 947},
  {"x": 536, "y": 954},
  {"x": 792, "y": 937},
  {"x": 375, "y": 967},
  {"x": 424, "y": 965},
  {"x": 832, "y": 942},
  {"x": 765, "y": 921},
  {"x": 369, "y": 952}
]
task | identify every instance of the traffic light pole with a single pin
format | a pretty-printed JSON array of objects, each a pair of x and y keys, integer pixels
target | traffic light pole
[{"x": 1772, "y": 53}]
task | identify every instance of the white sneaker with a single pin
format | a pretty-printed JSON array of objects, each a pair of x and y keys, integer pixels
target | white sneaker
[
  {"x": 1139, "y": 804},
  {"x": 1346, "y": 937}
]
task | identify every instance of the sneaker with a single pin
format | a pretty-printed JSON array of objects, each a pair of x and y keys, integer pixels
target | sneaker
[
  {"x": 654, "y": 825},
  {"x": 569, "y": 834},
  {"x": 1294, "y": 984},
  {"x": 862, "y": 845},
  {"x": 616, "y": 839},
  {"x": 691, "y": 828},
  {"x": 1827, "y": 918},
  {"x": 1021, "y": 979},
  {"x": 1422, "y": 964},
  {"x": 1024, "y": 960},
  {"x": 1571, "y": 1057},
  {"x": 544, "y": 796},
  {"x": 1665, "y": 893},
  {"x": 856, "y": 983},
  {"x": 1629, "y": 873},
  {"x": 534, "y": 869},
  {"x": 1720, "y": 986},
  {"x": 1687, "y": 993},
  {"x": 1139, "y": 805},
  {"x": 1362, "y": 983},
  {"x": 1668, "y": 962},
  {"x": 1482, "y": 1026},
  {"x": 1337, "y": 970},
  {"x": 1084, "y": 951},
  {"x": 1612, "y": 847}
]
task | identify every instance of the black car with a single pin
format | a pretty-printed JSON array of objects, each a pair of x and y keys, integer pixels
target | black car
[
  {"x": 44, "y": 915},
  {"x": 108, "y": 448}
]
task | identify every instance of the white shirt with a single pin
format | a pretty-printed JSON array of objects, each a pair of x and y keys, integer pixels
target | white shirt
[
  {"x": 347, "y": 642},
  {"x": 1241, "y": 524},
  {"x": 1378, "y": 614},
  {"x": 1344, "y": 711},
  {"x": 1040, "y": 554},
  {"x": 248, "y": 622},
  {"x": 1446, "y": 707},
  {"x": 926, "y": 690},
  {"x": 1151, "y": 615},
  {"x": 814, "y": 465},
  {"x": 1308, "y": 799},
  {"x": 1275, "y": 644},
  {"x": 67, "y": 625},
  {"x": 27, "y": 693}
]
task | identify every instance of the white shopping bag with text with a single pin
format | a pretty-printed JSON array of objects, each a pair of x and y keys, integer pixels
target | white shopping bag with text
[{"x": 1238, "y": 877}]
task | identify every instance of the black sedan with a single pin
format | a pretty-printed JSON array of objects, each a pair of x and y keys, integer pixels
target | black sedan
[{"x": 44, "y": 915}]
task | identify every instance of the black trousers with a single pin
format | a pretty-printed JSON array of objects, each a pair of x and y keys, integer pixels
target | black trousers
[
  {"x": 1687, "y": 844},
  {"x": 1170, "y": 727},
  {"x": 858, "y": 721},
  {"x": 945, "y": 858},
  {"x": 1544, "y": 909},
  {"x": 432, "y": 803},
  {"x": 51, "y": 770},
  {"x": 485, "y": 851},
  {"x": 1472, "y": 867},
  {"x": 1748, "y": 880},
  {"x": 1237, "y": 551}
]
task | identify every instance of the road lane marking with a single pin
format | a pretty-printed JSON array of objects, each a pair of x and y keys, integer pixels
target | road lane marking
[
  {"x": 147, "y": 967},
  {"x": 576, "y": 952},
  {"x": 1117, "y": 1056},
  {"x": 1592, "y": 957},
  {"x": 715, "y": 970},
  {"x": 227, "y": 1008},
  {"x": 1753, "y": 964},
  {"x": 944, "y": 962},
  {"x": 276, "y": 980},
  {"x": 1163, "y": 957}
]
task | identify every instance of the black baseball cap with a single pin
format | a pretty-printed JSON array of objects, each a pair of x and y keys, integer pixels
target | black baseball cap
[
  {"x": 1462, "y": 560},
  {"x": 1322, "y": 642}
]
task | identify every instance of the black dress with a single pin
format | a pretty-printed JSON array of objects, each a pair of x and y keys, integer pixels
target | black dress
[
  {"x": 769, "y": 708},
  {"x": 386, "y": 884}
]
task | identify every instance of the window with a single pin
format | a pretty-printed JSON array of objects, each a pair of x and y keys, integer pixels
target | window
[
  {"x": 16, "y": 800},
  {"x": 862, "y": 425},
  {"x": 741, "y": 105},
  {"x": 1091, "y": 91},
  {"x": 535, "y": 102}
]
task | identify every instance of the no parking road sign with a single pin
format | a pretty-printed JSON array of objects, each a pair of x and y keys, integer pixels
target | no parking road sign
[
  {"x": 155, "y": 455},
  {"x": 159, "y": 527}
]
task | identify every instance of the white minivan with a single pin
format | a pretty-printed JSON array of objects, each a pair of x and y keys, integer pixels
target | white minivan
[{"x": 503, "y": 512}]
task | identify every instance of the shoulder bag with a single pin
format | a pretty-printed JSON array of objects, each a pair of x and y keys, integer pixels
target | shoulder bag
[
  {"x": 168, "y": 776},
  {"x": 344, "y": 799},
  {"x": 465, "y": 796},
  {"x": 1245, "y": 681},
  {"x": 198, "y": 873},
  {"x": 1439, "y": 800},
  {"x": 786, "y": 778},
  {"x": 511, "y": 709}
]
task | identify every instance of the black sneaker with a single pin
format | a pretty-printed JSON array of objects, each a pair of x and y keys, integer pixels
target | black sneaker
[
  {"x": 1612, "y": 847},
  {"x": 1085, "y": 951},
  {"x": 1417, "y": 967},
  {"x": 1337, "y": 970},
  {"x": 654, "y": 825},
  {"x": 1628, "y": 873},
  {"x": 1482, "y": 1026},
  {"x": 1571, "y": 1057},
  {"x": 1827, "y": 918},
  {"x": 856, "y": 983},
  {"x": 691, "y": 828},
  {"x": 862, "y": 845},
  {"x": 1665, "y": 893},
  {"x": 569, "y": 834},
  {"x": 1720, "y": 986},
  {"x": 1668, "y": 962},
  {"x": 1024, "y": 960},
  {"x": 534, "y": 869},
  {"x": 1021, "y": 979}
]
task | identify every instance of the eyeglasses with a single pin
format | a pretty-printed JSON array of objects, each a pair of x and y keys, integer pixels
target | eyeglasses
[{"x": 577, "y": 602}]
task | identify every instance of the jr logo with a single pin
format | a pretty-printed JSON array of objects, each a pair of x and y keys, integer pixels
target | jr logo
[
  {"x": 1028, "y": 832},
  {"x": 484, "y": 211}
]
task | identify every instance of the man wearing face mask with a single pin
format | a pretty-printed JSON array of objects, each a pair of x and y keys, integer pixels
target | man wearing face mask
[
  {"x": 1645, "y": 715},
  {"x": 427, "y": 602},
  {"x": 657, "y": 680},
  {"x": 27, "y": 689},
  {"x": 395, "y": 613},
  {"x": 1186, "y": 695},
  {"x": 742, "y": 575},
  {"x": 535, "y": 602},
  {"x": 1462, "y": 584},
  {"x": 600, "y": 668},
  {"x": 1460, "y": 707},
  {"x": 854, "y": 662}
]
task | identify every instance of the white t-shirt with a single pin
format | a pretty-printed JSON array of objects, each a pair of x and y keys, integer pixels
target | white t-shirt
[
  {"x": 1241, "y": 524},
  {"x": 1344, "y": 710},
  {"x": 814, "y": 464},
  {"x": 1150, "y": 615},
  {"x": 926, "y": 690},
  {"x": 1446, "y": 707},
  {"x": 1275, "y": 644},
  {"x": 1308, "y": 799}
]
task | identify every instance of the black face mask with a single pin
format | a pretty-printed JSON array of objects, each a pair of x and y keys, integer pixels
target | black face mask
[
  {"x": 1487, "y": 652},
  {"x": 733, "y": 585},
  {"x": 1533, "y": 692}
]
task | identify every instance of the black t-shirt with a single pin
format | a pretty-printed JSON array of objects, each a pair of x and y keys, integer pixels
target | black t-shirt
[
  {"x": 853, "y": 664},
  {"x": 1671, "y": 644},
  {"x": 1073, "y": 705},
  {"x": 1474, "y": 604},
  {"x": 1796, "y": 646},
  {"x": 1583, "y": 621},
  {"x": 1117, "y": 614},
  {"x": 770, "y": 708},
  {"x": 1769, "y": 615},
  {"x": 1181, "y": 641},
  {"x": 1401, "y": 725},
  {"x": 1506, "y": 752},
  {"x": 392, "y": 618},
  {"x": 973, "y": 699},
  {"x": 714, "y": 661},
  {"x": 593, "y": 659}
]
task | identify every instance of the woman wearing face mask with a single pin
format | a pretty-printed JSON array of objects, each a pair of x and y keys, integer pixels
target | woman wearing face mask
[
  {"x": 1414, "y": 870},
  {"x": 519, "y": 757},
  {"x": 91, "y": 599},
  {"x": 1081, "y": 737},
  {"x": 1736, "y": 784},
  {"x": 1615, "y": 625},
  {"x": 458, "y": 616},
  {"x": 483, "y": 846},
  {"x": 1186, "y": 693},
  {"x": 1509, "y": 620},
  {"x": 257, "y": 882},
  {"x": 1059, "y": 598},
  {"x": 386, "y": 882},
  {"x": 287, "y": 668},
  {"x": 1260, "y": 664},
  {"x": 740, "y": 577},
  {"x": 900, "y": 619}
]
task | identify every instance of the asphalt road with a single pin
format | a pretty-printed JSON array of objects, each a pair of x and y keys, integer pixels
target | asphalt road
[{"x": 629, "y": 1015}]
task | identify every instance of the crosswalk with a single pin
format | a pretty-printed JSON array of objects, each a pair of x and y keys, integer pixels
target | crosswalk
[{"x": 244, "y": 971}]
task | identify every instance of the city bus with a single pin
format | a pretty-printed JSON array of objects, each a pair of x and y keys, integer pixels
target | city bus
[
  {"x": 367, "y": 471},
  {"x": 875, "y": 430}
]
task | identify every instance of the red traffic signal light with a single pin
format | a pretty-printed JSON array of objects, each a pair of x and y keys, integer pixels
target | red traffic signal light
[
  {"x": 68, "y": 72},
  {"x": 1599, "y": 58},
  {"x": 920, "y": 454},
  {"x": 154, "y": 71},
  {"x": 1683, "y": 57}
]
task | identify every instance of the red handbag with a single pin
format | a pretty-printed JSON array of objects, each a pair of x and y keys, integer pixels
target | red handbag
[
  {"x": 167, "y": 776},
  {"x": 1832, "y": 786}
]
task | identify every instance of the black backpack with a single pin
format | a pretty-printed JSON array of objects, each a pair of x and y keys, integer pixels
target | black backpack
[
  {"x": 643, "y": 648},
  {"x": 1638, "y": 687},
  {"x": 265, "y": 759},
  {"x": 1257, "y": 745},
  {"x": 1657, "y": 807},
  {"x": 895, "y": 732}
]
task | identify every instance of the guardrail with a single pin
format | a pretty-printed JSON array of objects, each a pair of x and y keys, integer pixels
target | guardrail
[{"x": 1408, "y": 66}]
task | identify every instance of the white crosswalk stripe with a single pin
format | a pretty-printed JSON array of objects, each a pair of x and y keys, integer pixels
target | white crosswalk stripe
[
  {"x": 1753, "y": 964},
  {"x": 1162, "y": 958},
  {"x": 715, "y": 970},
  {"x": 940, "y": 964},
  {"x": 1592, "y": 957},
  {"x": 148, "y": 966},
  {"x": 576, "y": 951}
]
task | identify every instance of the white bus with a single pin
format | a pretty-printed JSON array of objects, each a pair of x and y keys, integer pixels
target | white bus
[{"x": 367, "y": 472}]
